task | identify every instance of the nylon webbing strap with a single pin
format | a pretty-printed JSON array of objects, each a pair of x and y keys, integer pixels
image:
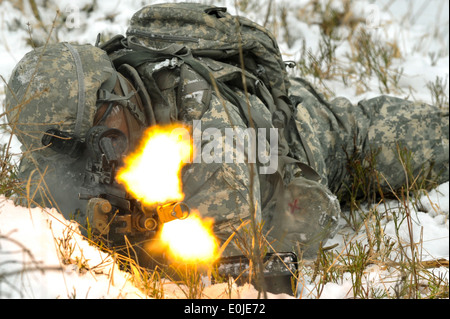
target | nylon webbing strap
[
  {"x": 109, "y": 84},
  {"x": 81, "y": 88},
  {"x": 142, "y": 54}
]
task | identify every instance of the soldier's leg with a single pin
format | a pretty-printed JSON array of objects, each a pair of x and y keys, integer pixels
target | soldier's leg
[
  {"x": 332, "y": 130},
  {"x": 339, "y": 132},
  {"x": 398, "y": 127}
]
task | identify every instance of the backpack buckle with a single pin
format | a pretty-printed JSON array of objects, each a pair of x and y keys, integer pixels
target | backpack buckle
[{"x": 171, "y": 63}]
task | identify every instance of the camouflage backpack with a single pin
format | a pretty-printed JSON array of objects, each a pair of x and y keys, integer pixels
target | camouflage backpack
[
  {"x": 211, "y": 32},
  {"x": 188, "y": 57},
  {"x": 206, "y": 40},
  {"x": 184, "y": 63}
]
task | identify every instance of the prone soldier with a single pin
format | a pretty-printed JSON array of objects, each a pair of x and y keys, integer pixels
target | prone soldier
[{"x": 69, "y": 104}]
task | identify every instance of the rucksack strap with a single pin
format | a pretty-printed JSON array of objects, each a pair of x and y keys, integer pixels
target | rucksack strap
[
  {"x": 281, "y": 110},
  {"x": 133, "y": 76},
  {"x": 142, "y": 54},
  {"x": 106, "y": 94}
]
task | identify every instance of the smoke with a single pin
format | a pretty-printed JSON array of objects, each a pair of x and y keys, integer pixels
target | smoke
[{"x": 54, "y": 181}]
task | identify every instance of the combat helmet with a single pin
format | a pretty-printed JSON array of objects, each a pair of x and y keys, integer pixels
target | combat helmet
[
  {"x": 55, "y": 86},
  {"x": 59, "y": 95}
]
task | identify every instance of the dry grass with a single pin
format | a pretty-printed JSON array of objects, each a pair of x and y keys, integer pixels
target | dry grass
[{"x": 403, "y": 274}]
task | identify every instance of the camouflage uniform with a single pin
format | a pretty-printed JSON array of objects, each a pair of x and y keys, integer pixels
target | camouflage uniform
[
  {"x": 323, "y": 135},
  {"x": 303, "y": 210},
  {"x": 296, "y": 204},
  {"x": 337, "y": 131},
  {"x": 54, "y": 87},
  {"x": 334, "y": 130}
]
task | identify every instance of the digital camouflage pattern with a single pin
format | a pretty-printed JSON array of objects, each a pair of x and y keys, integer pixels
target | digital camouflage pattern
[
  {"x": 306, "y": 215},
  {"x": 335, "y": 130},
  {"x": 338, "y": 131},
  {"x": 300, "y": 209},
  {"x": 210, "y": 31},
  {"x": 222, "y": 190},
  {"x": 43, "y": 93}
]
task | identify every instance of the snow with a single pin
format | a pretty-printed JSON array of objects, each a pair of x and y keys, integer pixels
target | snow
[
  {"x": 41, "y": 253},
  {"x": 34, "y": 241}
]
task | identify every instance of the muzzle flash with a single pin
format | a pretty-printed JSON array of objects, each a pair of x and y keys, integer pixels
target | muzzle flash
[{"x": 104, "y": 218}]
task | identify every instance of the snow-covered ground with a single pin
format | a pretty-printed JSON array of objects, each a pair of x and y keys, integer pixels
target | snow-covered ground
[{"x": 32, "y": 241}]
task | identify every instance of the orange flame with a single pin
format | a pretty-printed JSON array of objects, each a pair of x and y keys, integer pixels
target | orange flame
[
  {"x": 152, "y": 175},
  {"x": 190, "y": 240}
]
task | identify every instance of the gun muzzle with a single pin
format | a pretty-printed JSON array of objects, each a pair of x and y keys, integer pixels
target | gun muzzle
[
  {"x": 172, "y": 211},
  {"x": 147, "y": 223}
]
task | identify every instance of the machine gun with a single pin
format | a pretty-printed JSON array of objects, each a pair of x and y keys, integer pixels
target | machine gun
[
  {"x": 116, "y": 216},
  {"x": 112, "y": 212}
]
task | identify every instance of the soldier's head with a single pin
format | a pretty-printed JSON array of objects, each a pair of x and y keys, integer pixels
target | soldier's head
[{"x": 55, "y": 86}]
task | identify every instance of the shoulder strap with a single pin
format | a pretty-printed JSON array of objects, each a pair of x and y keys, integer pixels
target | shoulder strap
[
  {"x": 106, "y": 94},
  {"x": 281, "y": 110}
]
